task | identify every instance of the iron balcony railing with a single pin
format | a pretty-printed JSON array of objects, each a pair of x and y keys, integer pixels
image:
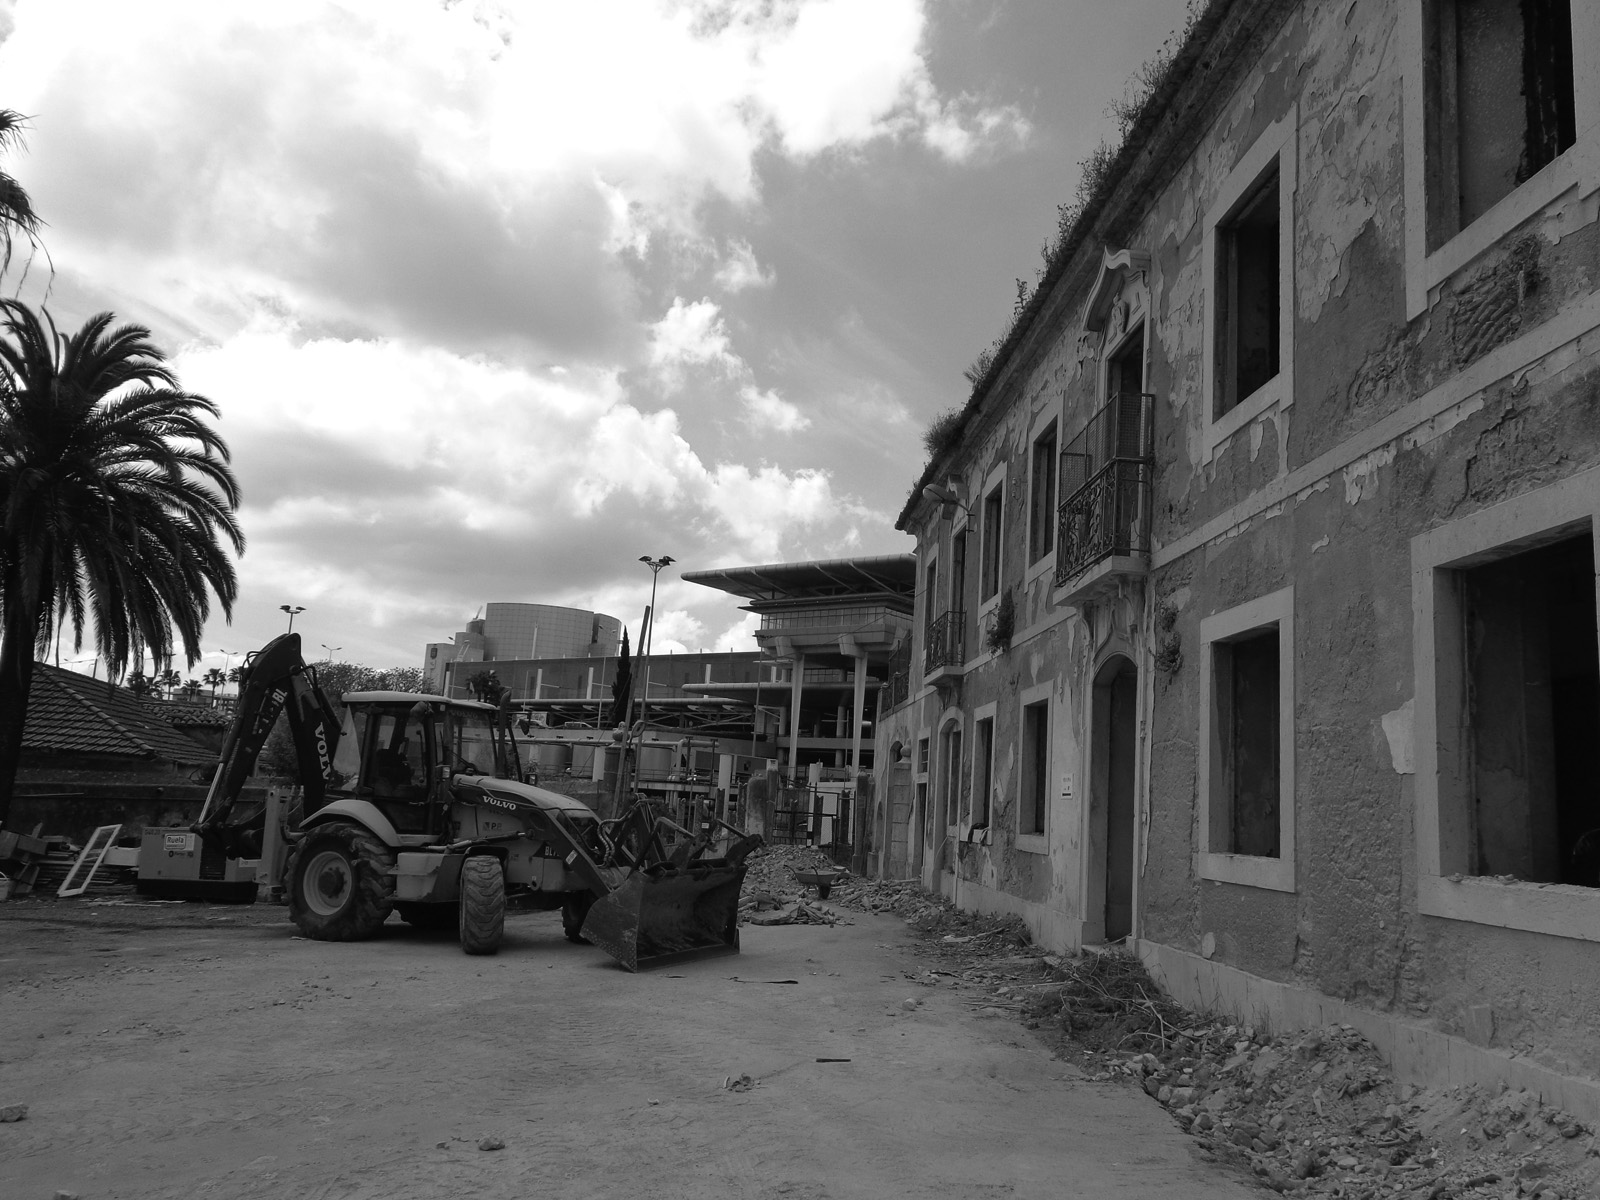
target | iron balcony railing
[
  {"x": 897, "y": 688},
  {"x": 1105, "y": 484},
  {"x": 944, "y": 647}
]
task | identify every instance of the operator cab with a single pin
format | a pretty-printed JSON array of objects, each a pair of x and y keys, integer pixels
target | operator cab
[{"x": 390, "y": 743}]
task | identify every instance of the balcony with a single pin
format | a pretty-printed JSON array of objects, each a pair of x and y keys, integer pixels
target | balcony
[
  {"x": 945, "y": 648},
  {"x": 1106, "y": 473},
  {"x": 897, "y": 688}
]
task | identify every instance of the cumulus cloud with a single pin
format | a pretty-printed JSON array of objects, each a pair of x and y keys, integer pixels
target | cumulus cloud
[
  {"x": 740, "y": 270},
  {"x": 691, "y": 335},
  {"x": 768, "y": 410},
  {"x": 432, "y": 259}
]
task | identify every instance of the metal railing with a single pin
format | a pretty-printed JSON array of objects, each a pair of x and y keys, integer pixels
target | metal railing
[
  {"x": 897, "y": 688},
  {"x": 1106, "y": 475},
  {"x": 945, "y": 643}
]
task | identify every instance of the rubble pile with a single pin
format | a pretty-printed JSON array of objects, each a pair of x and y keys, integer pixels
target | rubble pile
[
  {"x": 1317, "y": 1112},
  {"x": 773, "y": 896}
]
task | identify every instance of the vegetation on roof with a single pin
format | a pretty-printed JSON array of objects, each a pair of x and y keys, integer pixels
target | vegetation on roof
[{"x": 1145, "y": 96}]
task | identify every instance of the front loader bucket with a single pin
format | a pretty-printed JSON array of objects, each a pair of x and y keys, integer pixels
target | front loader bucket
[{"x": 653, "y": 919}]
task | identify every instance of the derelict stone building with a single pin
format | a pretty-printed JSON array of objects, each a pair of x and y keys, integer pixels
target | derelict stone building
[{"x": 1256, "y": 609}]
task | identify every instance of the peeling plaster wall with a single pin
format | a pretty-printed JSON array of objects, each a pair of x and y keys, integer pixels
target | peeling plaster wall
[{"x": 1392, "y": 426}]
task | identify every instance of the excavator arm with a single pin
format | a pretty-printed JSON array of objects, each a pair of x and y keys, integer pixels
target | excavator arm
[{"x": 275, "y": 679}]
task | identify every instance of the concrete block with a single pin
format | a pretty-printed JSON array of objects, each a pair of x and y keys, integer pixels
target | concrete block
[{"x": 1478, "y": 1024}]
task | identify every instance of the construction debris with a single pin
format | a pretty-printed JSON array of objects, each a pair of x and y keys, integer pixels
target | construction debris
[
  {"x": 12, "y": 1112},
  {"x": 1308, "y": 1113}
]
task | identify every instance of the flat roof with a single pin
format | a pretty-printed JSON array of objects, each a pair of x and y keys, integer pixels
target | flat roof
[{"x": 888, "y": 578}]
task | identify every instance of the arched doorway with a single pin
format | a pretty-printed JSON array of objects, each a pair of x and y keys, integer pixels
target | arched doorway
[{"x": 1113, "y": 804}]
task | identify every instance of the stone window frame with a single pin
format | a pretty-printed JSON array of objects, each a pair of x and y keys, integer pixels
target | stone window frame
[
  {"x": 946, "y": 782},
  {"x": 979, "y": 831},
  {"x": 1275, "y": 874},
  {"x": 1029, "y": 842},
  {"x": 1441, "y": 805},
  {"x": 995, "y": 480},
  {"x": 1574, "y": 176},
  {"x": 1045, "y": 564},
  {"x": 1277, "y": 143}
]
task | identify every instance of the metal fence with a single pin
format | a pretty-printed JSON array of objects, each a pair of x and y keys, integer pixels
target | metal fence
[{"x": 1105, "y": 481}]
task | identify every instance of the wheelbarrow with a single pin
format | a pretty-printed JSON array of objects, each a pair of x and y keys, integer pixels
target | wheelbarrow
[{"x": 823, "y": 881}]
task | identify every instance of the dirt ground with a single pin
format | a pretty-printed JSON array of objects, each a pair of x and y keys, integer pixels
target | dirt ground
[{"x": 190, "y": 1050}]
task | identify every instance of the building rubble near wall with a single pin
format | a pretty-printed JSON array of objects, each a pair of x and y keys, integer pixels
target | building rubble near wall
[{"x": 1256, "y": 614}]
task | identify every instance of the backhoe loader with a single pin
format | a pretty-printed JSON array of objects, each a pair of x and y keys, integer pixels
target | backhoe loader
[{"x": 417, "y": 804}]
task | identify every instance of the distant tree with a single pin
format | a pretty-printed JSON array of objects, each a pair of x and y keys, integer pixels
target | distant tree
[
  {"x": 235, "y": 674},
  {"x": 405, "y": 679},
  {"x": 215, "y": 678},
  {"x": 621, "y": 686},
  {"x": 191, "y": 689},
  {"x": 170, "y": 679},
  {"x": 140, "y": 684}
]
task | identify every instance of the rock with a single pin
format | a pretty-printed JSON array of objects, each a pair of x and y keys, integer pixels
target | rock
[
  {"x": 1278, "y": 1121},
  {"x": 491, "y": 1143},
  {"x": 13, "y": 1112},
  {"x": 62, "y": 1195},
  {"x": 1204, "y": 1121},
  {"x": 1569, "y": 1128},
  {"x": 911, "y": 1005},
  {"x": 1183, "y": 1095},
  {"x": 1304, "y": 1165},
  {"x": 1165, "y": 1093},
  {"x": 1347, "y": 1163}
]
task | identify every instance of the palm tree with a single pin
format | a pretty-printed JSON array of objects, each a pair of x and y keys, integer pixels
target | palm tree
[
  {"x": 214, "y": 678},
  {"x": 116, "y": 505},
  {"x": 170, "y": 680},
  {"x": 16, "y": 209}
]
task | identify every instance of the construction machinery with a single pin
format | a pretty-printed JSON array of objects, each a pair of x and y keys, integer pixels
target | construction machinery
[{"x": 418, "y": 804}]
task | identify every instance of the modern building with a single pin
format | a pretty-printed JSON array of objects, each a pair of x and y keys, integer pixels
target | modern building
[
  {"x": 523, "y": 632},
  {"x": 1256, "y": 611}
]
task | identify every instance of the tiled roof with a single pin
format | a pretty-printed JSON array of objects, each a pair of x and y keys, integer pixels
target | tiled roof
[{"x": 71, "y": 713}]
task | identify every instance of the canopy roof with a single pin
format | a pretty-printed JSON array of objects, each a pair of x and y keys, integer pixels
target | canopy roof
[{"x": 889, "y": 579}]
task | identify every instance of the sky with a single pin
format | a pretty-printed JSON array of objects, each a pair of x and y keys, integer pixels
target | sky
[{"x": 496, "y": 298}]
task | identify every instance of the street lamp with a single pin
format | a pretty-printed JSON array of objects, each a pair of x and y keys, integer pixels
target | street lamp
[
  {"x": 655, "y": 565},
  {"x": 293, "y": 610},
  {"x": 332, "y": 650}
]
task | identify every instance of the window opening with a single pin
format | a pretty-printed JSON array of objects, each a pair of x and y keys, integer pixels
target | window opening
[
  {"x": 993, "y": 509},
  {"x": 930, "y": 605},
  {"x": 1035, "y": 765},
  {"x": 983, "y": 771},
  {"x": 1501, "y": 102},
  {"x": 1246, "y": 770},
  {"x": 1533, "y": 695},
  {"x": 1247, "y": 304},
  {"x": 1042, "y": 509}
]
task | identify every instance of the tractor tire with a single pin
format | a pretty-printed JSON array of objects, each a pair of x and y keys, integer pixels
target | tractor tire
[
  {"x": 421, "y": 915},
  {"x": 573, "y": 910},
  {"x": 483, "y": 904},
  {"x": 341, "y": 883}
]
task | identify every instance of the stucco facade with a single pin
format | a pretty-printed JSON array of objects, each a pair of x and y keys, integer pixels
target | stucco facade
[{"x": 1304, "y": 700}]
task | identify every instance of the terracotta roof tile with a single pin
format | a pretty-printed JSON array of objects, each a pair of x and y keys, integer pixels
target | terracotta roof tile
[{"x": 71, "y": 713}]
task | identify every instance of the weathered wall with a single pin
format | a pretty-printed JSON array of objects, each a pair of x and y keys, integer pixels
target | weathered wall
[
  {"x": 1376, "y": 441},
  {"x": 1350, "y": 928}
]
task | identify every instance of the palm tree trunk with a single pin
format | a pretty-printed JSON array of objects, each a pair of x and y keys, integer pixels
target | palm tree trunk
[{"x": 16, "y": 678}]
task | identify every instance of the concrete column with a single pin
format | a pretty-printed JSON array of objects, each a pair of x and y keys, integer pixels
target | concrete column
[
  {"x": 796, "y": 682},
  {"x": 860, "y": 714}
]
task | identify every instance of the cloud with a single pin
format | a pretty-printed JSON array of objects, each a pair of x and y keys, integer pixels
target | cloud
[
  {"x": 768, "y": 410},
  {"x": 740, "y": 270},
  {"x": 691, "y": 335}
]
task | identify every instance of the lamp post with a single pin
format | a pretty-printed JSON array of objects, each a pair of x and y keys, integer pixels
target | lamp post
[
  {"x": 331, "y": 651},
  {"x": 655, "y": 565},
  {"x": 293, "y": 610}
]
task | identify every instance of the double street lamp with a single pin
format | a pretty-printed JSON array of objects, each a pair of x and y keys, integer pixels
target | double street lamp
[{"x": 293, "y": 610}]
